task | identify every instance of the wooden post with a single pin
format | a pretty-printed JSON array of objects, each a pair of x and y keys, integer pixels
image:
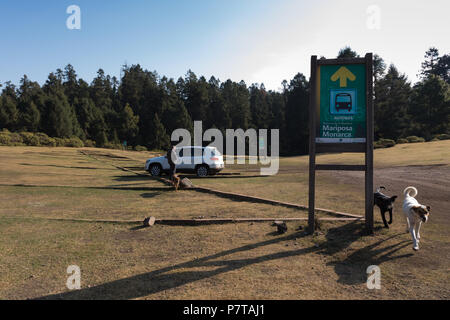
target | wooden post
[
  {"x": 369, "y": 144},
  {"x": 312, "y": 144}
]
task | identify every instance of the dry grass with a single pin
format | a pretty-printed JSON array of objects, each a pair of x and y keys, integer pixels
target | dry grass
[{"x": 247, "y": 261}]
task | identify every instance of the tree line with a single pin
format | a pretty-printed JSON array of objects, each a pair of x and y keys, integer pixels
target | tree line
[{"x": 143, "y": 108}]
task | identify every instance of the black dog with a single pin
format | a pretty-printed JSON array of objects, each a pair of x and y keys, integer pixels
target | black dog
[{"x": 385, "y": 203}]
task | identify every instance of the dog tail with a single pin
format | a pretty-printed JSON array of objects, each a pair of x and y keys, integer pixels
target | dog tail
[
  {"x": 408, "y": 190},
  {"x": 381, "y": 187}
]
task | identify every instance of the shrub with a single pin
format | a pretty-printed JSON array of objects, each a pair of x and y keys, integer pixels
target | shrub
[
  {"x": 5, "y": 139},
  {"x": 401, "y": 140},
  {"x": 45, "y": 140},
  {"x": 89, "y": 143},
  {"x": 383, "y": 143},
  {"x": 378, "y": 145},
  {"x": 442, "y": 136},
  {"x": 387, "y": 143},
  {"x": 74, "y": 142},
  {"x": 16, "y": 139},
  {"x": 60, "y": 142},
  {"x": 414, "y": 139},
  {"x": 30, "y": 139},
  {"x": 110, "y": 145},
  {"x": 140, "y": 148}
]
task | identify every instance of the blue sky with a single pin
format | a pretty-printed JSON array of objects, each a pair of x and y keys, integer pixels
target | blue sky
[{"x": 253, "y": 40}]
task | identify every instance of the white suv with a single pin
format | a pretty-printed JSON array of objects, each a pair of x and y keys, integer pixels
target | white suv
[{"x": 201, "y": 160}]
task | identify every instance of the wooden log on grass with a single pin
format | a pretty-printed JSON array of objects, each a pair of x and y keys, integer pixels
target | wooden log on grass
[
  {"x": 206, "y": 221},
  {"x": 149, "y": 221}
]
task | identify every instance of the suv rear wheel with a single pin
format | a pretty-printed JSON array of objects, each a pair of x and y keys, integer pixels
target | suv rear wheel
[
  {"x": 202, "y": 170},
  {"x": 155, "y": 170}
]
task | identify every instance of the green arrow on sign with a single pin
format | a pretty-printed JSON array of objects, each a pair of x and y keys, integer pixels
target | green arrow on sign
[{"x": 343, "y": 74}]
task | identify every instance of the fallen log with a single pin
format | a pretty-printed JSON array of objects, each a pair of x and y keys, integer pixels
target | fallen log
[{"x": 206, "y": 221}]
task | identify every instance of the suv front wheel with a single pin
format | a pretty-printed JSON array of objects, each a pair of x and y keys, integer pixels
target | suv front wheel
[{"x": 202, "y": 170}]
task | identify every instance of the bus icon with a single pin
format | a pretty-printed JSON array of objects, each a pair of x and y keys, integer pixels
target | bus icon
[{"x": 343, "y": 101}]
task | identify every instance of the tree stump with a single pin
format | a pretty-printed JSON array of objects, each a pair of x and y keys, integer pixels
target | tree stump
[{"x": 186, "y": 183}]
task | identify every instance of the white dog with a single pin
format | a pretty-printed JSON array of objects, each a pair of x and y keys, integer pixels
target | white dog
[{"x": 415, "y": 215}]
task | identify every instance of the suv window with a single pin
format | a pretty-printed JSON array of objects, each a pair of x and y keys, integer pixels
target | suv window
[{"x": 211, "y": 151}]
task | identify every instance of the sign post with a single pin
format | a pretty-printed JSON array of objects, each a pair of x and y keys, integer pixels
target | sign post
[{"x": 341, "y": 120}]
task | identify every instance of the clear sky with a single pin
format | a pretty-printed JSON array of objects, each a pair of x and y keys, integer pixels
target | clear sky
[{"x": 252, "y": 40}]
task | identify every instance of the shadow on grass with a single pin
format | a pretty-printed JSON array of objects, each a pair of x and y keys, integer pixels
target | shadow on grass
[
  {"x": 65, "y": 167},
  {"x": 352, "y": 270},
  {"x": 167, "y": 278},
  {"x": 138, "y": 228},
  {"x": 133, "y": 178},
  {"x": 135, "y": 168},
  {"x": 148, "y": 195},
  {"x": 226, "y": 177},
  {"x": 125, "y": 188}
]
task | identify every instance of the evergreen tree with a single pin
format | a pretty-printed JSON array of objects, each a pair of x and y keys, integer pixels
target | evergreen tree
[
  {"x": 443, "y": 68},
  {"x": 297, "y": 115},
  {"x": 159, "y": 139},
  {"x": 436, "y": 65},
  {"x": 30, "y": 94},
  {"x": 59, "y": 118},
  {"x": 347, "y": 52},
  {"x": 196, "y": 96},
  {"x": 236, "y": 96},
  {"x": 70, "y": 83},
  {"x": 129, "y": 124},
  {"x": 219, "y": 110},
  {"x": 259, "y": 107},
  {"x": 430, "y": 63},
  {"x": 430, "y": 107},
  {"x": 175, "y": 114},
  {"x": 378, "y": 67},
  {"x": 86, "y": 114},
  {"x": 9, "y": 114},
  {"x": 278, "y": 120},
  {"x": 391, "y": 105},
  {"x": 98, "y": 131},
  {"x": 101, "y": 91}
]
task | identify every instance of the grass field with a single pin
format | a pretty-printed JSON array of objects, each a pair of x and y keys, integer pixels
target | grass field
[{"x": 47, "y": 194}]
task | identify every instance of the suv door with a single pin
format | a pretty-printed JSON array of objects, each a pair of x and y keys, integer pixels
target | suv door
[{"x": 197, "y": 156}]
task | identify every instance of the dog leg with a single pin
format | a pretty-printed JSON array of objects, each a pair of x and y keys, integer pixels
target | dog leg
[
  {"x": 390, "y": 216},
  {"x": 419, "y": 224},
  {"x": 177, "y": 182},
  {"x": 383, "y": 213},
  {"x": 414, "y": 238},
  {"x": 407, "y": 225}
]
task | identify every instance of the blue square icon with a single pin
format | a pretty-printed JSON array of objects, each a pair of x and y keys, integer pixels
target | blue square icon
[{"x": 343, "y": 101}]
